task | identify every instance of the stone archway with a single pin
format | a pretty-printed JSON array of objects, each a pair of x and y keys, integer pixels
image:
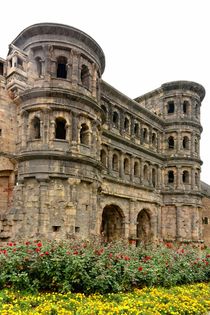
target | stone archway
[
  {"x": 144, "y": 231},
  {"x": 112, "y": 226}
]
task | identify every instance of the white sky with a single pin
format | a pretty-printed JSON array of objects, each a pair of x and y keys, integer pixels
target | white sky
[{"x": 146, "y": 42}]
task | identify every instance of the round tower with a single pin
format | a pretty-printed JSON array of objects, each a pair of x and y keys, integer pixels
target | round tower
[
  {"x": 181, "y": 101},
  {"x": 52, "y": 75}
]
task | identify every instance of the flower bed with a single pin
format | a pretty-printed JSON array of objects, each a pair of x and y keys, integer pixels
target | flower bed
[
  {"x": 89, "y": 267},
  {"x": 186, "y": 299}
]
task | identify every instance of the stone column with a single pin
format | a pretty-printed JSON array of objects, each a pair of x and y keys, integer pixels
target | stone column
[
  {"x": 122, "y": 165},
  {"x": 132, "y": 168},
  {"x": 142, "y": 172},
  {"x": 179, "y": 177},
  {"x": 132, "y": 220},
  {"x": 179, "y": 142},
  {"x": 193, "y": 178},
  {"x": 178, "y": 222},
  {"x": 75, "y": 121},
  {"x": 110, "y": 160},
  {"x": 75, "y": 67}
]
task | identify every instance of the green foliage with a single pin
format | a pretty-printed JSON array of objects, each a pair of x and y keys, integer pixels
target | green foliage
[{"x": 94, "y": 267}]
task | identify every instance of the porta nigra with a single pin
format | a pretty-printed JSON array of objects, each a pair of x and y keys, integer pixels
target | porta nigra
[{"x": 79, "y": 159}]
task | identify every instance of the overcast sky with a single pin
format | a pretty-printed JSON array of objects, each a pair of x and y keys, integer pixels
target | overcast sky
[{"x": 146, "y": 42}]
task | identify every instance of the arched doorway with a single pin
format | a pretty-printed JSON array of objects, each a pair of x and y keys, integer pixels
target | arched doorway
[
  {"x": 144, "y": 233},
  {"x": 112, "y": 226}
]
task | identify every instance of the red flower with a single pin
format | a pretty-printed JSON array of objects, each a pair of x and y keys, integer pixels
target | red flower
[
  {"x": 140, "y": 268},
  {"x": 27, "y": 243},
  {"x": 39, "y": 244},
  {"x": 47, "y": 253},
  {"x": 75, "y": 252},
  {"x": 126, "y": 258},
  {"x": 37, "y": 250},
  {"x": 169, "y": 245}
]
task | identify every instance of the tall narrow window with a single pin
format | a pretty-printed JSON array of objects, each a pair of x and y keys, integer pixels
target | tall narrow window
[
  {"x": 186, "y": 143},
  {"x": 146, "y": 177},
  {"x": 136, "y": 129},
  {"x": 171, "y": 142},
  {"x": 115, "y": 119},
  {"x": 145, "y": 135},
  {"x": 115, "y": 163},
  {"x": 62, "y": 67},
  {"x": 153, "y": 177},
  {"x": 104, "y": 158},
  {"x": 136, "y": 169},
  {"x": 126, "y": 166},
  {"x": 39, "y": 66},
  {"x": 171, "y": 107},
  {"x": 60, "y": 128},
  {"x": 126, "y": 124},
  {"x": 186, "y": 107},
  {"x": 85, "y": 77},
  {"x": 36, "y": 128},
  {"x": 84, "y": 134},
  {"x": 154, "y": 139},
  {"x": 196, "y": 179},
  {"x": 185, "y": 177},
  {"x": 1, "y": 68},
  {"x": 104, "y": 111},
  {"x": 170, "y": 177},
  {"x": 196, "y": 146},
  {"x": 196, "y": 110}
]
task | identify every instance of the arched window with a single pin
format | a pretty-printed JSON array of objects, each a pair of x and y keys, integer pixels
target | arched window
[
  {"x": 186, "y": 107},
  {"x": 115, "y": 163},
  {"x": 145, "y": 172},
  {"x": 153, "y": 177},
  {"x": 126, "y": 166},
  {"x": 85, "y": 77},
  {"x": 104, "y": 158},
  {"x": 126, "y": 124},
  {"x": 35, "y": 128},
  {"x": 170, "y": 177},
  {"x": 60, "y": 128},
  {"x": 62, "y": 67},
  {"x": 186, "y": 143},
  {"x": 185, "y": 177},
  {"x": 136, "y": 129},
  {"x": 39, "y": 66},
  {"x": 84, "y": 134},
  {"x": 136, "y": 169},
  {"x": 171, "y": 142},
  {"x": 115, "y": 119},
  {"x": 196, "y": 110},
  {"x": 171, "y": 107}
]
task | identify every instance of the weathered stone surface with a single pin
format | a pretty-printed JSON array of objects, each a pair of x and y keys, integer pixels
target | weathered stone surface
[{"x": 80, "y": 159}]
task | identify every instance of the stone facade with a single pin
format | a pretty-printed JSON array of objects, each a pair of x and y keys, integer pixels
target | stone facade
[{"x": 80, "y": 159}]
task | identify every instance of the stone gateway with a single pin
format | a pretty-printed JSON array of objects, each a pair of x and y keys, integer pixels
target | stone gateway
[{"x": 80, "y": 159}]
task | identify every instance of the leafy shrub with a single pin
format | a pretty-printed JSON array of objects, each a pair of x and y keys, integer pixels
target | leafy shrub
[{"x": 94, "y": 267}]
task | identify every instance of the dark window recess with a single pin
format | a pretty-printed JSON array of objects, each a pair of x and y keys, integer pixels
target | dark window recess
[
  {"x": 205, "y": 220},
  {"x": 185, "y": 177},
  {"x": 1, "y": 68},
  {"x": 171, "y": 107},
  {"x": 77, "y": 229},
  {"x": 36, "y": 128},
  {"x": 171, "y": 143},
  {"x": 0, "y": 132},
  {"x": 84, "y": 134},
  {"x": 60, "y": 131},
  {"x": 170, "y": 177},
  {"x": 153, "y": 177},
  {"x": 103, "y": 157},
  {"x": 136, "y": 129},
  {"x": 115, "y": 162},
  {"x": 39, "y": 66},
  {"x": 185, "y": 107},
  {"x": 136, "y": 169},
  {"x": 126, "y": 124},
  {"x": 185, "y": 143},
  {"x": 56, "y": 228},
  {"x": 115, "y": 118},
  {"x": 85, "y": 77},
  {"x": 62, "y": 68}
]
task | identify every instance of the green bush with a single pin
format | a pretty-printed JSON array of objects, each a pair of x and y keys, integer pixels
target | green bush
[{"x": 94, "y": 267}]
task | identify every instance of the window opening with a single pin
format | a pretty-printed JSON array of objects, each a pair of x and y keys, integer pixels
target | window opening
[
  {"x": 36, "y": 128},
  {"x": 185, "y": 107},
  {"x": 136, "y": 129},
  {"x": 170, "y": 177},
  {"x": 103, "y": 157},
  {"x": 85, "y": 77},
  {"x": 185, "y": 177},
  {"x": 1, "y": 68},
  {"x": 171, "y": 142},
  {"x": 136, "y": 169},
  {"x": 126, "y": 124},
  {"x": 115, "y": 119},
  {"x": 171, "y": 107},
  {"x": 126, "y": 166},
  {"x": 39, "y": 66},
  {"x": 84, "y": 134},
  {"x": 62, "y": 67},
  {"x": 60, "y": 132},
  {"x": 185, "y": 143},
  {"x": 115, "y": 162}
]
